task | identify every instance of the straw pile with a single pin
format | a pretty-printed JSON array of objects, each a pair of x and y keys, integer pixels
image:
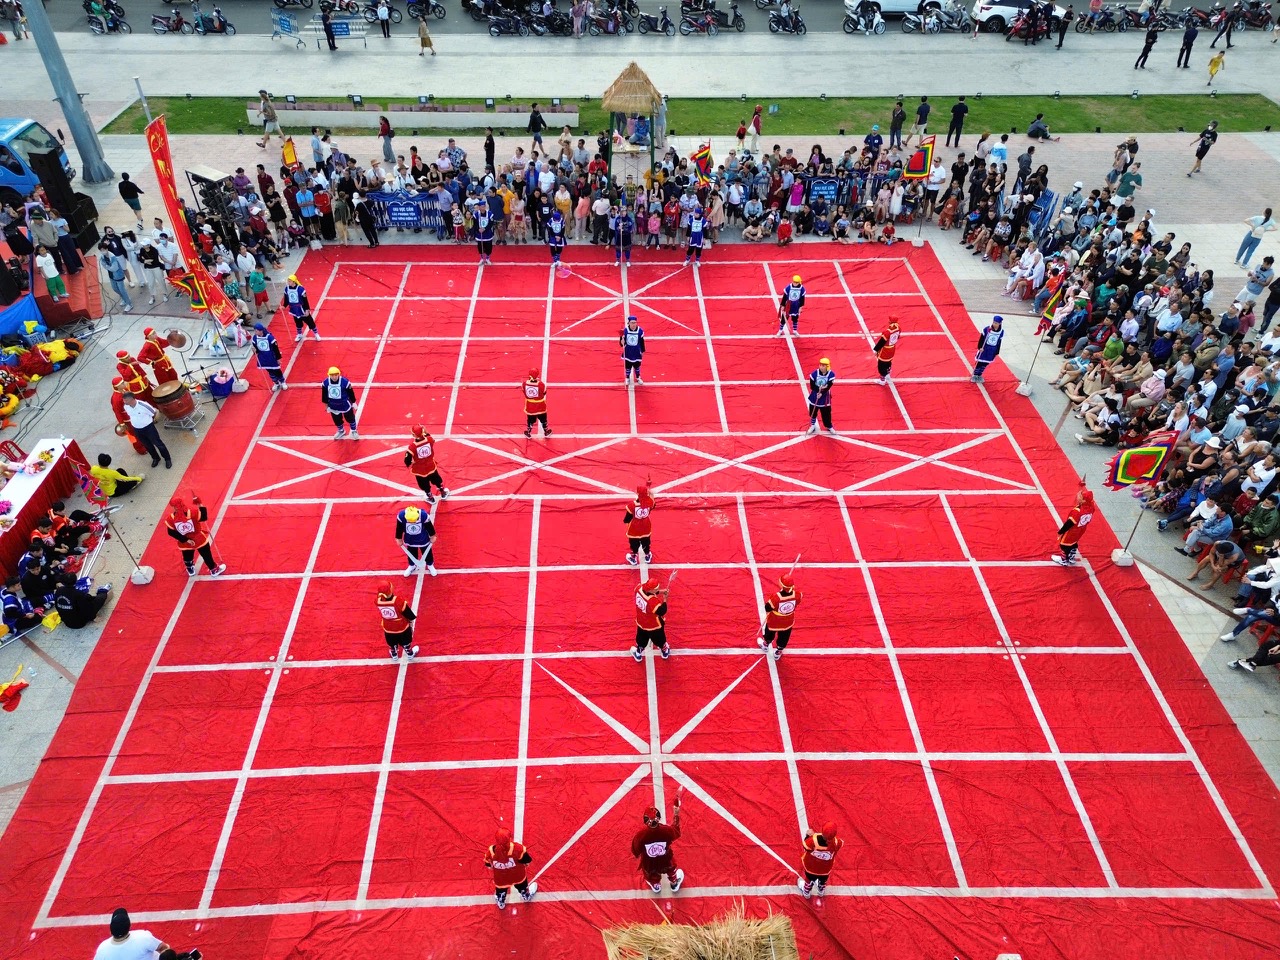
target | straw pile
[
  {"x": 632, "y": 92},
  {"x": 732, "y": 937}
]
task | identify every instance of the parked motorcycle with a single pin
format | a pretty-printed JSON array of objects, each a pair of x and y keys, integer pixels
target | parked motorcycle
[
  {"x": 928, "y": 22},
  {"x": 1018, "y": 30},
  {"x": 607, "y": 22},
  {"x": 370, "y": 12},
  {"x": 702, "y": 22},
  {"x": 112, "y": 24},
  {"x": 351, "y": 8},
  {"x": 284, "y": 4},
  {"x": 733, "y": 20},
  {"x": 860, "y": 21},
  {"x": 216, "y": 22},
  {"x": 1257, "y": 14},
  {"x": 421, "y": 9},
  {"x": 1105, "y": 22},
  {"x": 648, "y": 23},
  {"x": 171, "y": 24},
  {"x": 110, "y": 6},
  {"x": 955, "y": 17},
  {"x": 778, "y": 25},
  {"x": 507, "y": 24},
  {"x": 555, "y": 23}
]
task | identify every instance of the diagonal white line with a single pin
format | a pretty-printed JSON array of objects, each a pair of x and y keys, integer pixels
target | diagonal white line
[
  {"x": 679, "y": 736},
  {"x": 774, "y": 297},
  {"x": 653, "y": 283},
  {"x": 711, "y": 352},
  {"x": 722, "y": 463},
  {"x": 329, "y": 467},
  {"x": 715, "y": 805},
  {"x": 612, "y": 723},
  {"x": 533, "y": 466},
  {"x": 641, "y": 305},
  {"x": 624, "y": 788},
  {"x": 590, "y": 316},
  {"x": 871, "y": 340},
  {"x": 921, "y": 461},
  {"x": 947, "y": 465}
]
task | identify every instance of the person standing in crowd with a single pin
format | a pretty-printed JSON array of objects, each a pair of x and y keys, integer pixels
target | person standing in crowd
[
  {"x": 1258, "y": 228},
  {"x": 896, "y": 119},
  {"x": 754, "y": 129},
  {"x": 385, "y": 134},
  {"x": 326, "y": 21},
  {"x": 113, "y": 266},
  {"x": 1188, "y": 41},
  {"x": 142, "y": 418},
  {"x": 384, "y": 22},
  {"x": 48, "y": 268},
  {"x": 535, "y": 126},
  {"x": 1203, "y": 143},
  {"x": 958, "y": 111}
]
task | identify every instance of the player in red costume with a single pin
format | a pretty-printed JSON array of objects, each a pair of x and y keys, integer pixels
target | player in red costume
[
  {"x": 153, "y": 354},
  {"x": 397, "y": 619},
  {"x": 118, "y": 389},
  {"x": 886, "y": 347},
  {"x": 780, "y": 616},
  {"x": 651, "y": 614},
  {"x": 652, "y": 847},
  {"x": 820, "y": 851},
  {"x": 187, "y": 525},
  {"x": 1073, "y": 529},
  {"x": 509, "y": 862},
  {"x": 134, "y": 376},
  {"x": 639, "y": 521},
  {"x": 420, "y": 458},
  {"x": 535, "y": 403}
]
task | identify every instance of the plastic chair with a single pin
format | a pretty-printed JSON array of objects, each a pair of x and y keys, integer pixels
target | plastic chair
[{"x": 12, "y": 452}]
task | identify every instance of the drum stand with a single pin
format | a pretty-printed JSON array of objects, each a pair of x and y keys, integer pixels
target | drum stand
[{"x": 188, "y": 422}]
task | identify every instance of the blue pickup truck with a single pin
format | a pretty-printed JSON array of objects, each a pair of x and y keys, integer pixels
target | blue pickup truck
[{"x": 19, "y": 138}]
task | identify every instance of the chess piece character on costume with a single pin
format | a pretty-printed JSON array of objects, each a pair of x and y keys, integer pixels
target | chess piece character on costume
[
  {"x": 639, "y": 521},
  {"x": 509, "y": 861},
  {"x": 1073, "y": 528},
  {"x": 820, "y": 381},
  {"x": 780, "y": 616},
  {"x": 789, "y": 305},
  {"x": 820, "y": 851},
  {"x": 886, "y": 347},
  {"x": 339, "y": 398},
  {"x": 651, "y": 846},
  {"x": 267, "y": 351},
  {"x": 651, "y": 613},
  {"x": 295, "y": 301},
  {"x": 189, "y": 526},
  {"x": 397, "y": 621},
  {"x": 416, "y": 536},
  {"x": 632, "y": 342},
  {"x": 420, "y": 458},
  {"x": 535, "y": 403}
]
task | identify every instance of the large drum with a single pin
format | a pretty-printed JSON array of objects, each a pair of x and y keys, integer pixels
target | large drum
[{"x": 174, "y": 400}]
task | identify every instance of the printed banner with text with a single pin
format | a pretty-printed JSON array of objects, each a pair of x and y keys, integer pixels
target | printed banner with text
[{"x": 205, "y": 294}]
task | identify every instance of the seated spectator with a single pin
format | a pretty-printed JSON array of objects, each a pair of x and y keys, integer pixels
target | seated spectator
[
  {"x": 111, "y": 481},
  {"x": 1223, "y": 557},
  {"x": 19, "y": 613},
  {"x": 1218, "y": 525},
  {"x": 79, "y": 607}
]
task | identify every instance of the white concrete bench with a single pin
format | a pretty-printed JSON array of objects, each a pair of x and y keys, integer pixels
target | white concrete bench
[{"x": 411, "y": 116}]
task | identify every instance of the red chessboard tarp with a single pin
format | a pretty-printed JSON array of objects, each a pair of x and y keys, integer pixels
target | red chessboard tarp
[{"x": 1020, "y": 758}]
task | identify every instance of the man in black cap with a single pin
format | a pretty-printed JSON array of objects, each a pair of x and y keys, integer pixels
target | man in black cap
[{"x": 124, "y": 944}]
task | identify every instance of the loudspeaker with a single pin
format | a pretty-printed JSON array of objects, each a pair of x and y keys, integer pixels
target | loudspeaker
[
  {"x": 88, "y": 238},
  {"x": 48, "y": 167},
  {"x": 86, "y": 209}
]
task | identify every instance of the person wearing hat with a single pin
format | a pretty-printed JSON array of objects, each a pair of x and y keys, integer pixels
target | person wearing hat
[
  {"x": 153, "y": 354},
  {"x": 820, "y": 851},
  {"x": 779, "y": 616},
  {"x": 295, "y": 301},
  {"x": 886, "y": 347},
  {"x": 789, "y": 305},
  {"x": 632, "y": 342},
  {"x": 820, "y": 381},
  {"x": 651, "y": 846},
  {"x": 1149, "y": 394},
  {"x": 420, "y": 458},
  {"x": 126, "y": 943},
  {"x": 119, "y": 390},
  {"x": 554, "y": 235},
  {"x": 873, "y": 141},
  {"x": 535, "y": 403},
  {"x": 189, "y": 526},
  {"x": 484, "y": 231},
  {"x": 639, "y": 520},
  {"x": 397, "y": 619},
  {"x": 416, "y": 535},
  {"x": 339, "y": 398},
  {"x": 651, "y": 612},
  {"x": 134, "y": 376},
  {"x": 509, "y": 862},
  {"x": 1073, "y": 528},
  {"x": 267, "y": 352},
  {"x": 697, "y": 237},
  {"x": 988, "y": 347}
]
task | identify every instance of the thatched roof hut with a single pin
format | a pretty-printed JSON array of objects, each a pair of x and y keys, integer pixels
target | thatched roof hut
[{"x": 632, "y": 92}]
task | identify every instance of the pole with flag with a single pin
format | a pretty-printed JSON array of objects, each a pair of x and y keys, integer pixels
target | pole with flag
[
  {"x": 917, "y": 168},
  {"x": 1135, "y": 468}
]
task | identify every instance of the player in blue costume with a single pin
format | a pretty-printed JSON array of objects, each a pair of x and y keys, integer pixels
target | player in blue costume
[
  {"x": 484, "y": 231},
  {"x": 623, "y": 227},
  {"x": 632, "y": 342},
  {"x": 554, "y": 236},
  {"x": 267, "y": 350},
  {"x": 697, "y": 230},
  {"x": 295, "y": 301},
  {"x": 789, "y": 305},
  {"x": 988, "y": 347},
  {"x": 416, "y": 536},
  {"x": 820, "y": 382},
  {"x": 340, "y": 400}
]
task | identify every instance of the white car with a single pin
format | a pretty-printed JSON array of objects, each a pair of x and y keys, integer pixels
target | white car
[{"x": 994, "y": 16}]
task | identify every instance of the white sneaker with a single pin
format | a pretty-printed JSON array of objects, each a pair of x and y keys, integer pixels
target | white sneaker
[
  {"x": 1060, "y": 561},
  {"x": 444, "y": 493},
  {"x": 219, "y": 570},
  {"x": 529, "y": 894},
  {"x": 779, "y": 333},
  {"x": 675, "y": 887},
  {"x": 803, "y": 889},
  {"x": 657, "y": 887},
  {"x": 882, "y": 381},
  {"x": 638, "y": 380},
  {"x": 317, "y": 336},
  {"x": 411, "y": 651},
  {"x": 283, "y": 385},
  {"x": 777, "y": 654},
  {"x": 355, "y": 434},
  {"x": 1240, "y": 611},
  {"x": 151, "y": 302},
  {"x": 298, "y": 338},
  {"x": 411, "y": 570},
  {"x": 191, "y": 569},
  {"x": 1227, "y": 637},
  {"x": 431, "y": 569},
  {"x": 1246, "y": 665},
  {"x": 340, "y": 434},
  {"x": 813, "y": 428},
  {"x": 631, "y": 559},
  {"x": 762, "y": 643},
  {"x": 636, "y": 655}
]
